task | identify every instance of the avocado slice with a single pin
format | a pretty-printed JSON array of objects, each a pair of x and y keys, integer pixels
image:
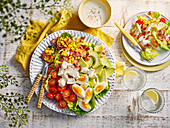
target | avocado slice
[
  {"x": 103, "y": 77},
  {"x": 105, "y": 61},
  {"x": 109, "y": 71},
  {"x": 98, "y": 70},
  {"x": 82, "y": 63},
  {"x": 90, "y": 62},
  {"x": 95, "y": 57}
]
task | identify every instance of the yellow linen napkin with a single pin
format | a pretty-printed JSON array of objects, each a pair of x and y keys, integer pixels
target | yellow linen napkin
[{"x": 42, "y": 29}]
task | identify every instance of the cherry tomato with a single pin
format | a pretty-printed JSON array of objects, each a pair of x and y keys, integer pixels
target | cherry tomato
[
  {"x": 54, "y": 74},
  {"x": 52, "y": 82},
  {"x": 62, "y": 104},
  {"x": 132, "y": 34},
  {"x": 70, "y": 87},
  {"x": 88, "y": 48},
  {"x": 66, "y": 93},
  {"x": 141, "y": 34},
  {"x": 162, "y": 20},
  {"x": 58, "y": 97},
  {"x": 140, "y": 22},
  {"x": 49, "y": 70},
  {"x": 149, "y": 13},
  {"x": 50, "y": 96},
  {"x": 83, "y": 37},
  {"x": 60, "y": 89},
  {"x": 53, "y": 90},
  {"x": 57, "y": 66},
  {"x": 73, "y": 98}
]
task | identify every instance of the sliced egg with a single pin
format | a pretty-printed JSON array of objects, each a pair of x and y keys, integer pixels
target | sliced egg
[
  {"x": 84, "y": 106},
  {"x": 83, "y": 79},
  {"x": 100, "y": 87},
  {"x": 88, "y": 95},
  {"x": 78, "y": 90},
  {"x": 84, "y": 86}
]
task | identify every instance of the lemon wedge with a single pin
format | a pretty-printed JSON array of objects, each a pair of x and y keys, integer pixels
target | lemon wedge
[
  {"x": 153, "y": 95},
  {"x": 130, "y": 74},
  {"x": 99, "y": 48}
]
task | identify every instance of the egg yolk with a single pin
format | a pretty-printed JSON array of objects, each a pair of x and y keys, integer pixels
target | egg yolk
[
  {"x": 99, "y": 88},
  {"x": 85, "y": 105},
  {"x": 77, "y": 90},
  {"x": 88, "y": 94},
  {"x": 84, "y": 87},
  {"x": 82, "y": 78}
]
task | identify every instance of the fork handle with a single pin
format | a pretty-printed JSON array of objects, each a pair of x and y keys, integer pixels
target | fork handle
[
  {"x": 126, "y": 34},
  {"x": 41, "y": 94},
  {"x": 33, "y": 88}
]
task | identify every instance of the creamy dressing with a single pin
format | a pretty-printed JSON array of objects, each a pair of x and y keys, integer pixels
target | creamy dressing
[{"x": 94, "y": 13}]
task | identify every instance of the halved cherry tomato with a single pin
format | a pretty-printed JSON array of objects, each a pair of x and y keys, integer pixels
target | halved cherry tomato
[
  {"x": 52, "y": 82},
  {"x": 60, "y": 89},
  {"x": 53, "y": 90},
  {"x": 140, "y": 22},
  {"x": 141, "y": 34},
  {"x": 70, "y": 87},
  {"x": 49, "y": 70},
  {"x": 57, "y": 66},
  {"x": 149, "y": 13},
  {"x": 54, "y": 74},
  {"x": 162, "y": 20},
  {"x": 50, "y": 96},
  {"x": 66, "y": 93},
  {"x": 58, "y": 97},
  {"x": 73, "y": 98},
  {"x": 132, "y": 34},
  {"x": 62, "y": 104}
]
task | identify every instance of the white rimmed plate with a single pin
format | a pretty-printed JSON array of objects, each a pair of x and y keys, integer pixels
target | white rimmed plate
[
  {"x": 164, "y": 55},
  {"x": 36, "y": 65}
]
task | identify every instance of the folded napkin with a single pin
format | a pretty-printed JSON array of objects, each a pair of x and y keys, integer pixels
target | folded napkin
[{"x": 42, "y": 29}]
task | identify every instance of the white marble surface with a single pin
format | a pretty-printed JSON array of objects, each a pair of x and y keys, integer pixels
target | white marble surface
[{"x": 121, "y": 110}]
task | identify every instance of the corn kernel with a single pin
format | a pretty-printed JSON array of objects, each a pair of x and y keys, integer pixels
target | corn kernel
[
  {"x": 75, "y": 58},
  {"x": 78, "y": 57},
  {"x": 69, "y": 61}
]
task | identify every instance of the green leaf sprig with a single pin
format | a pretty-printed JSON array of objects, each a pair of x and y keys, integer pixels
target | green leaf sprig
[{"x": 16, "y": 111}]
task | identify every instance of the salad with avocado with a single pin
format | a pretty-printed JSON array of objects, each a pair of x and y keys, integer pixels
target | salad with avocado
[
  {"x": 152, "y": 33},
  {"x": 79, "y": 73}
]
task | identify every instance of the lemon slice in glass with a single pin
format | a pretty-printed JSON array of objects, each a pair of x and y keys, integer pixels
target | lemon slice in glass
[
  {"x": 153, "y": 95},
  {"x": 130, "y": 74}
]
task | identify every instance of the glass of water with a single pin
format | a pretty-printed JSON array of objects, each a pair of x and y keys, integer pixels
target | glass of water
[
  {"x": 134, "y": 78},
  {"x": 152, "y": 100}
]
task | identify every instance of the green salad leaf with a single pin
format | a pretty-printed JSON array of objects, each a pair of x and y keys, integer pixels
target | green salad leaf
[
  {"x": 74, "y": 106},
  {"x": 149, "y": 53},
  {"x": 103, "y": 92},
  {"x": 155, "y": 15},
  {"x": 57, "y": 57}
]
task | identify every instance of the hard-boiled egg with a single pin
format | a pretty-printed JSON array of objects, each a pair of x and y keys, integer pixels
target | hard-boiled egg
[
  {"x": 84, "y": 86},
  {"x": 78, "y": 90},
  {"x": 84, "y": 106},
  {"x": 88, "y": 95},
  {"x": 83, "y": 79},
  {"x": 99, "y": 87}
]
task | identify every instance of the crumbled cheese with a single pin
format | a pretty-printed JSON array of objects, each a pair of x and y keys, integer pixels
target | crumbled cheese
[{"x": 62, "y": 82}]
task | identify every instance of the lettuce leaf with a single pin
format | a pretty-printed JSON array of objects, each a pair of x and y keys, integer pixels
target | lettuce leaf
[
  {"x": 74, "y": 106},
  {"x": 103, "y": 92},
  {"x": 155, "y": 15},
  {"x": 149, "y": 53}
]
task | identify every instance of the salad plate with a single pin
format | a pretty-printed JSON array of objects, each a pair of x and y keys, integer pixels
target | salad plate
[
  {"x": 36, "y": 65},
  {"x": 164, "y": 55}
]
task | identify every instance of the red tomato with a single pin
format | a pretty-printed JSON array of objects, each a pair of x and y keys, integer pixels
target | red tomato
[
  {"x": 52, "y": 82},
  {"x": 88, "y": 48},
  {"x": 53, "y": 90},
  {"x": 42, "y": 55},
  {"x": 141, "y": 34},
  {"x": 162, "y": 20},
  {"x": 58, "y": 97},
  {"x": 142, "y": 47},
  {"x": 73, "y": 98},
  {"x": 140, "y": 22},
  {"x": 132, "y": 34},
  {"x": 54, "y": 74},
  {"x": 62, "y": 104},
  {"x": 50, "y": 96},
  {"x": 60, "y": 89},
  {"x": 66, "y": 93},
  {"x": 149, "y": 13},
  {"x": 83, "y": 37},
  {"x": 57, "y": 66},
  {"x": 70, "y": 87},
  {"x": 49, "y": 70}
]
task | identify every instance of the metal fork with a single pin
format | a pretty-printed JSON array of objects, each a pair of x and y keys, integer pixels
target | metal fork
[{"x": 131, "y": 39}]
